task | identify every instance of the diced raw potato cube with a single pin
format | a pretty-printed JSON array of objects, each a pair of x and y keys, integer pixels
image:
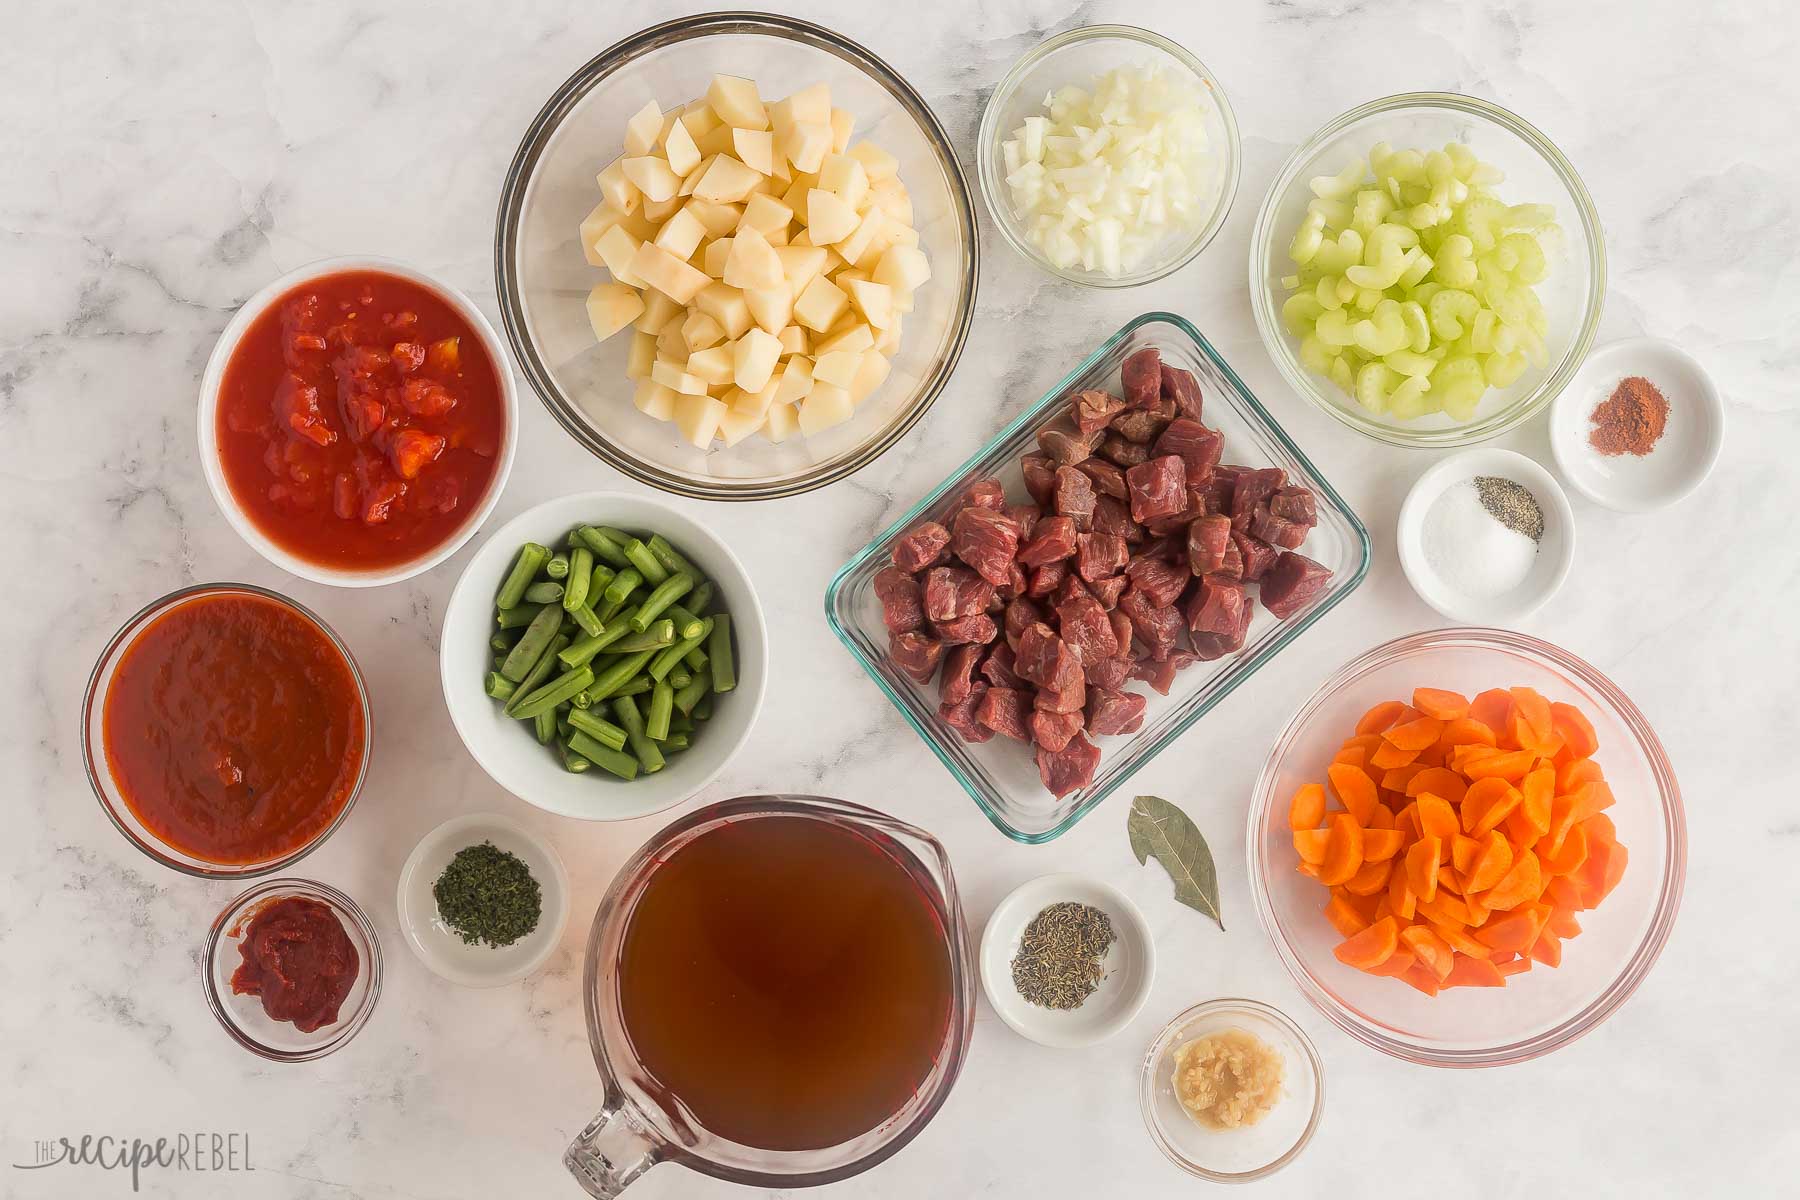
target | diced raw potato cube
[
  {"x": 727, "y": 181},
  {"x": 717, "y": 219},
  {"x": 891, "y": 198},
  {"x": 801, "y": 264},
  {"x": 658, "y": 211},
  {"x": 611, "y": 307},
  {"x": 842, "y": 126},
  {"x": 699, "y": 119},
  {"x": 807, "y": 144},
  {"x": 666, "y": 273},
  {"x": 871, "y": 373},
  {"x": 671, "y": 347},
  {"x": 837, "y": 367},
  {"x": 771, "y": 308},
  {"x": 658, "y": 308},
  {"x": 698, "y": 417},
  {"x": 828, "y": 218},
  {"x": 781, "y": 423},
  {"x": 726, "y": 305},
  {"x": 713, "y": 365},
  {"x": 777, "y": 237},
  {"x": 844, "y": 177},
  {"x": 889, "y": 341},
  {"x": 755, "y": 149},
  {"x": 824, "y": 407},
  {"x": 735, "y": 426},
  {"x": 718, "y": 141},
  {"x": 700, "y": 331},
  {"x": 878, "y": 163},
  {"x": 736, "y": 102},
  {"x": 903, "y": 268},
  {"x": 752, "y": 262},
  {"x": 718, "y": 253},
  {"x": 642, "y": 128},
  {"x": 641, "y": 357},
  {"x": 903, "y": 302},
  {"x": 654, "y": 399},
  {"x": 811, "y": 103},
  {"x": 848, "y": 276},
  {"x": 603, "y": 217},
  {"x": 651, "y": 176},
  {"x": 854, "y": 337},
  {"x": 794, "y": 340},
  {"x": 618, "y": 249},
  {"x": 753, "y": 359},
  {"x": 675, "y": 377},
  {"x": 681, "y": 234},
  {"x": 763, "y": 213},
  {"x": 818, "y": 305},
  {"x": 875, "y": 301},
  {"x": 856, "y": 247},
  {"x": 693, "y": 178},
  {"x": 796, "y": 380},
  {"x": 617, "y": 190},
  {"x": 680, "y": 149},
  {"x": 795, "y": 195}
]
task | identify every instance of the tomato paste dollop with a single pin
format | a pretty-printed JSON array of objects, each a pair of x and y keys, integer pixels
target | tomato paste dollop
[{"x": 299, "y": 960}]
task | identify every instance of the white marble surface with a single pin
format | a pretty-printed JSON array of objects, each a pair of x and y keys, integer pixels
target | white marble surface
[{"x": 162, "y": 161}]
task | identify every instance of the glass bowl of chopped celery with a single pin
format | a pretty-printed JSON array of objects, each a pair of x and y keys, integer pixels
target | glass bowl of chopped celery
[
  {"x": 1429, "y": 269},
  {"x": 1108, "y": 156}
]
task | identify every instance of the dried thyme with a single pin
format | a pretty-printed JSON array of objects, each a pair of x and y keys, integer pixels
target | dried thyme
[
  {"x": 487, "y": 894},
  {"x": 1058, "y": 963}
]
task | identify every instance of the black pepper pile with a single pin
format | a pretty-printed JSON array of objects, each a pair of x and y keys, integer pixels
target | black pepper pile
[{"x": 1511, "y": 504}]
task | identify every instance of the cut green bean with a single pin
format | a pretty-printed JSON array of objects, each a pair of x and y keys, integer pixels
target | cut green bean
[
  {"x": 603, "y": 546},
  {"x": 680, "y": 722},
  {"x": 554, "y": 693},
  {"x": 648, "y": 756},
  {"x": 703, "y": 710},
  {"x": 656, "y": 637},
  {"x": 620, "y": 672},
  {"x": 680, "y": 677},
  {"x": 545, "y": 591},
  {"x": 572, "y": 761},
  {"x": 588, "y": 621},
  {"x": 598, "y": 728},
  {"x": 646, "y": 563},
  {"x": 582, "y": 699},
  {"x": 539, "y": 672},
  {"x": 674, "y": 742},
  {"x": 696, "y": 658},
  {"x": 686, "y": 620},
  {"x": 600, "y": 579},
  {"x": 664, "y": 594},
  {"x": 634, "y": 687},
  {"x": 672, "y": 558},
  {"x": 665, "y": 662},
  {"x": 529, "y": 648},
  {"x": 584, "y": 649},
  {"x": 516, "y": 617},
  {"x": 503, "y": 641},
  {"x": 545, "y": 726},
  {"x": 558, "y": 566},
  {"x": 718, "y": 649},
  {"x": 688, "y": 698},
  {"x": 581, "y": 573},
  {"x": 524, "y": 570},
  {"x": 662, "y": 707},
  {"x": 701, "y": 598},
  {"x": 618, "y": 762},
  {"x": 622, "y": 585},
  {"x": 500, "y": 687}
]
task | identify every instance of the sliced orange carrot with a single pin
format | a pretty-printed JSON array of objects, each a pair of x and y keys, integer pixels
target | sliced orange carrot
[
  {"x": 1577, "y": 731},
  {"x": 1422, "y": 867},
  {"x": 1370, "y": 878},
  {"x": 1600, "y": 828},
  {"x": 1472, "y": 971},
  {"x": 1509, "y": 765},
  {"x": 1485, "y": 795},
  {"x": 1563, "y": 892},
  {"x": 1466, "y": 731},
  {"x": 1515, "y": 966},
  {"x": 1432, "y": 950},
  {"x": 1441, "y": 781},
  {"x": 1515, "y": 931},
  {"x": 1492, "y": 708},
  {"x": 1398, "y": 963},
  {"x": 1579, "y": 805},
  {"x": 1380, "y": 717},
  {"x": 1370, "y": 948},
  {"x": 1311, "y": 845},
  {"x": 1492, "y": 864},
  {"x": 1576, "y": 772},
  {"x": 1435, "y": 702},
  {"x": 1397, "y": 778},
  {"x": 1478, "y": 912},
  {"x": 1307, "y": 809},
  {"x": 1416, "y": 734},
  {"x": 1422, "y": 977},
  {"x": 1407, "y": 821},
  {"x": 1563, "y": 922},
  {"x": 1387, "y": 756},
  {"x": 1445, "y": 908},
  {"x": 1521, "y": 884},
  {"x": 1379, "y": 845},
  {"x": 1381, "y": 817},
  {"x": 1462, "y": 756},
  {"x": 1354, "y": 788},
  {"x": 1343, "y": 851},
  {"x": 1463, "y": 851},
  {"x": 1437, "y": 818},
  {"x": 1401, "y": 900},
  {"x": 1532, "y": 706},
  {"x": 1567, "y": 858},
  {"x": 1601, "y": 873},
  {"x": 1547, "y": 949},
  {"x": 1351, "y": 756},
  {"x": 1458, "y": 939},
  {"x": 1345, "y": 917}
]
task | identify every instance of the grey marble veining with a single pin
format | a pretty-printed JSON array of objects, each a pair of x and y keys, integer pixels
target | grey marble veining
[{"x": 163, "y": 161}]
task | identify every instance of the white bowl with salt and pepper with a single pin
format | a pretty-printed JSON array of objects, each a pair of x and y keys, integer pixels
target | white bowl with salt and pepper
[
  {"x": 1129, "y": 964},
  {"x": 1486, "y": 536}
]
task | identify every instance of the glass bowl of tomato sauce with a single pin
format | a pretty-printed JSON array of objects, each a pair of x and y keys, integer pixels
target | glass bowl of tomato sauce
[
  {"x": 357, "y": 421},
  {"x": 226, "y": 731}
]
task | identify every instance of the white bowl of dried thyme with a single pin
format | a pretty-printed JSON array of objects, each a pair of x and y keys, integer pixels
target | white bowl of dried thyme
[{"x": 1067, "y": 960}]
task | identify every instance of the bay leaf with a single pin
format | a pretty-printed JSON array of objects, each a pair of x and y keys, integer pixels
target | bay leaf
[{"x": 1158, "y": 829}]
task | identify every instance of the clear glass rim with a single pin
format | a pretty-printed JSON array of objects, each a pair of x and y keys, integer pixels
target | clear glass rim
[
  {"x": 1230, "y": 1004},
  {"x": 524, "y": 165},
  {"x": 987, "y": 146},
  {"x": 216, "y": 939},
  {"x": 627, "y": 885},
  {"x": 1267, "y": 311},
  {"x": 1242, "y": 668},
  {"x": 93, "y": 756},
  {"x": 1643, "y": 957}
]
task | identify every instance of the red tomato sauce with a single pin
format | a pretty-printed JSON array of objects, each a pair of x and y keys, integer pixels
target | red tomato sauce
[
  {"x": 234, "y": 729},
  {"x": 298, "y": 960},
  {"x": 360, "y": 421}
]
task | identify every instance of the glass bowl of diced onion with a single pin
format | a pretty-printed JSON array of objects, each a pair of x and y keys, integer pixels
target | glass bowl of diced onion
[
  {"x": 1108, "y": 156},
  {"x": 1524, "y": 169}
]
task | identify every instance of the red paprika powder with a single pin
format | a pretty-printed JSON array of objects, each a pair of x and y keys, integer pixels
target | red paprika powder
[{"x": 1631, "y": 420}]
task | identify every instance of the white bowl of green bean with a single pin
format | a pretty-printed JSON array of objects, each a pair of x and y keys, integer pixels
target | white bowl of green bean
[{"x": 630, "y": 642}]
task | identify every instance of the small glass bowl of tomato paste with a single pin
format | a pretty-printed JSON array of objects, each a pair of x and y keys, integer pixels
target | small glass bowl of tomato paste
[
  {"x": 357, "y": 421},
  {"x": 303, "y": 968},
  {"x": 226, "y": 731}
]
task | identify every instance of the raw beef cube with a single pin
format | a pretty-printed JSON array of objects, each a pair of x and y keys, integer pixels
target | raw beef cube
[
  {"x": 1066, "y": 446},
  {"x": 1092, "y": 410},
  {"x": 1216, "y": 606},
  {"x": 1157, "y": 628},
  {"x": 1295, "y": 503},
  {"x": 978, "y": 628},
  {"x": 1196, "y": 445},
  {"x": 1052, "y": 730},
  {"x": 952, "y": 592},
  {"x": 997, "y": 668},
  {"x": 1004, "y": 710},
  {"x": 1042, "y": 656},
  {"x": 1026, "y": 517},
  {"x": 1292, "y": 582},
  {"x": 1021, "y": 614},
  {"x": 1071, "y": 587},
  {"x": 1040, "y": 477},
  {"x": 901, "y": 608},
  {"x": 1161, "y": 675},
  {"x": 1257, "y": 556},
  {"x": 1075, "y": 497},
  {"x": 959, "y": 673},
  {"x": 1159, "y": 580},
  {"x": 1107, "y": 478},
  {"x": 916, "y": 653},
  {"x": 987, "y": 541},
  {"x": 1232, "y": 569},
  {"x": 1098, "y": 555},
  {"x": 1016, "y": 583},
  {"x": 1069, "y": 690},
  {"x": 1254, "y": 487},
  {"x": 921, "y": 546},
  {"x": 984, "y": 493},
  {"x": 1083, "y": 624},
  {"x": 1052, "y": 541},
  {"x": 1143, "y": 424},
  {"x": 1220, "y": 487},
  {"x": 1277, "y": 531},
  {"x": 1141, "y": 377},
  {"x": 1176, "y": 526},
  {"x": 1158, "y": 488},
  {"x": 1071, "y": 768},
  {"x": 1114, "y": 712},
  {"x": 1047, "y": 579},
  {"x": 1125, "y": 453},
  {"x": 1207, "y": 540},
  {"x": 1121, "y": 623},
  {"x": 1107, "y": 590},
  {"x": 961, "y": 715},
  {"x": 1110, "y": 674},
  {"x": 1111, "y": 516},
  {"x": 1181, "y": 387}
]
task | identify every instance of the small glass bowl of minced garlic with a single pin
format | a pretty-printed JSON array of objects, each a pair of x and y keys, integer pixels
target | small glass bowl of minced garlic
[{"x": 1231, "y": 1090}]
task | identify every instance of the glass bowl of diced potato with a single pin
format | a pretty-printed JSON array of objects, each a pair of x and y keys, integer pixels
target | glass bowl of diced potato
[{"x": 736, "y": 256}]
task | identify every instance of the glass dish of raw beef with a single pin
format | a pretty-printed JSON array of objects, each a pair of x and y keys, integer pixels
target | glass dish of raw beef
[{"x": 1102, "y": 573}]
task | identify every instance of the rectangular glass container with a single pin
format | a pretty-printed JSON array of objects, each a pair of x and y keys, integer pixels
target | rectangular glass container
[{"x": 1001, "y": 774}]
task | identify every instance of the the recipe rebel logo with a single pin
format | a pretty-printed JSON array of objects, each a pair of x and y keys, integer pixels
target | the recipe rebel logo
[{"x": 195, "y": 1153}]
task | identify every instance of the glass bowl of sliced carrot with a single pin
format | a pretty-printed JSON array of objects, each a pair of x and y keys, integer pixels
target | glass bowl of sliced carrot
[{"x": 1468, "y": 847}]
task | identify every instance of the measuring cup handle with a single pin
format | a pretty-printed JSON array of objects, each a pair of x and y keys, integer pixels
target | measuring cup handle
[{"x": 614, "y": 1149}]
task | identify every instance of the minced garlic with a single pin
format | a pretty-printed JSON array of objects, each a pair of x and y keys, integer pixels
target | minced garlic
[{"x": 1228, "y": 1080}]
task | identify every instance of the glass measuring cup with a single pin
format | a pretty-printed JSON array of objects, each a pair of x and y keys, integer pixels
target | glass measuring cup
[{"x": 642, "y": 1125}]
